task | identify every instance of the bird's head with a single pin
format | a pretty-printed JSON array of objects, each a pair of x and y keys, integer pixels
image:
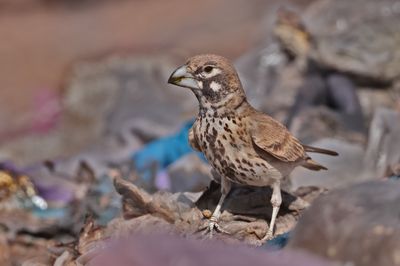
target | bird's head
[{"x": 213, "y": 80}]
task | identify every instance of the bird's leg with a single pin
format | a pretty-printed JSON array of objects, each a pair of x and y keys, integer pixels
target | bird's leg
[
  {"x": 276, "y": 201},
  {"x": 213, "y": 223}
]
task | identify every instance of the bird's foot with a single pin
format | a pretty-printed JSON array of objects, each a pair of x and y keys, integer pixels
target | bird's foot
[
  {"x": 268, "y": 236},
  {"x": 212, "y": 226}
]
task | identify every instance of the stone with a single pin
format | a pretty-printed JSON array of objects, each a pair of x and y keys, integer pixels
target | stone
[
  {"x": 245, "y": 213},
  {"x": 342, "y": 170},
  {"x": 169, "y": 250},
  {"x": 356, "y": 225},
  {"x": 189, "y": 173},
  {"x": 103, "y": 99},
  {"x": 383, "y": 149}
]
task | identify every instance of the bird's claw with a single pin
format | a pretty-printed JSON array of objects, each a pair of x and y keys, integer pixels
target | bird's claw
[
  {"x": 212, "y": 226},
  {"x": 268, "y": 236}
]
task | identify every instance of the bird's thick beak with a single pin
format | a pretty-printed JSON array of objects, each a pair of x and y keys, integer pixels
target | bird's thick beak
[{"x": 181, "y": 77}]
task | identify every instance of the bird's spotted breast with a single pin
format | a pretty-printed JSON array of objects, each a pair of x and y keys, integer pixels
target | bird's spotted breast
[{"x": 227, "y": 146}]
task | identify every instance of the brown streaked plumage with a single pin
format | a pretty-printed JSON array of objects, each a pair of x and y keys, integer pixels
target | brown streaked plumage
[{"x": 243, "y": 145}]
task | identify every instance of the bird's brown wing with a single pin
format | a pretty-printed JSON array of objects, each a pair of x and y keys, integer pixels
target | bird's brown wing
[
  {"x": 272, "y": 137},
  {"x": 192, "y": 140}
]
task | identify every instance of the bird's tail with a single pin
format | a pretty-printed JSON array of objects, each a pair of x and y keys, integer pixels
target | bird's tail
[
  {"x": 313, "y": 165},
  {"x": 319, "y": 150}
]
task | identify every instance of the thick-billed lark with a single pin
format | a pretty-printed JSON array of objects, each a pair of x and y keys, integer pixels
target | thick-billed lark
[{"x": 243, "y": 145}]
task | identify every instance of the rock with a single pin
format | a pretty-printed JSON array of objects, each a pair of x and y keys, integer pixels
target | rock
[
  {"x": 104, "y": 99},
  {"x": 168, "y": 250},
  {"x": 139, "y": 90},
  {"x": 259, "y": 70},
  {"x": 284, "y": 85},
  {"x": 341, "y": 57},
  {"x": 245, "y": 216},
  {"x": 335, "y": 91},
  {"x": 383, "y": 150},
  {"x": 342, "y": 170},
  {"x": 269, "y": 80},
  {"x": 372, "y": 99},
  {"x": 358, "y": 225},
  {"x": 189, "y": 173},
  {"x": 316, "y": 123},
  {"x": 21, "y": 247},
  {"x": 342, "y": 31}
]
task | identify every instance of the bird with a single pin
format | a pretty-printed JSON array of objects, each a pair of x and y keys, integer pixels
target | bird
[{"x": 243, "y": 145}]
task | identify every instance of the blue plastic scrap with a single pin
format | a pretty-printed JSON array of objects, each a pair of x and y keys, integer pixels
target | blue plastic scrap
[{"x": 163, "y": 152}]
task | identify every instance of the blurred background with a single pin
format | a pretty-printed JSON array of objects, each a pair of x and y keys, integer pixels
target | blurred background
[
  {"x": 45, "y": 39},
  {"x": 84, "y": 93}
]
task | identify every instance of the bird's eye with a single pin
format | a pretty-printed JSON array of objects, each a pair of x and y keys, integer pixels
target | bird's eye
[{"x": 208, "y": 69}]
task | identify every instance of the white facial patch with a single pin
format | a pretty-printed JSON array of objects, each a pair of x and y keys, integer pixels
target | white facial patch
[
  {"x": 200, "y": 84},
  {"x": 215, "y": 86},
  {"x": 213, "y": 73}
]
